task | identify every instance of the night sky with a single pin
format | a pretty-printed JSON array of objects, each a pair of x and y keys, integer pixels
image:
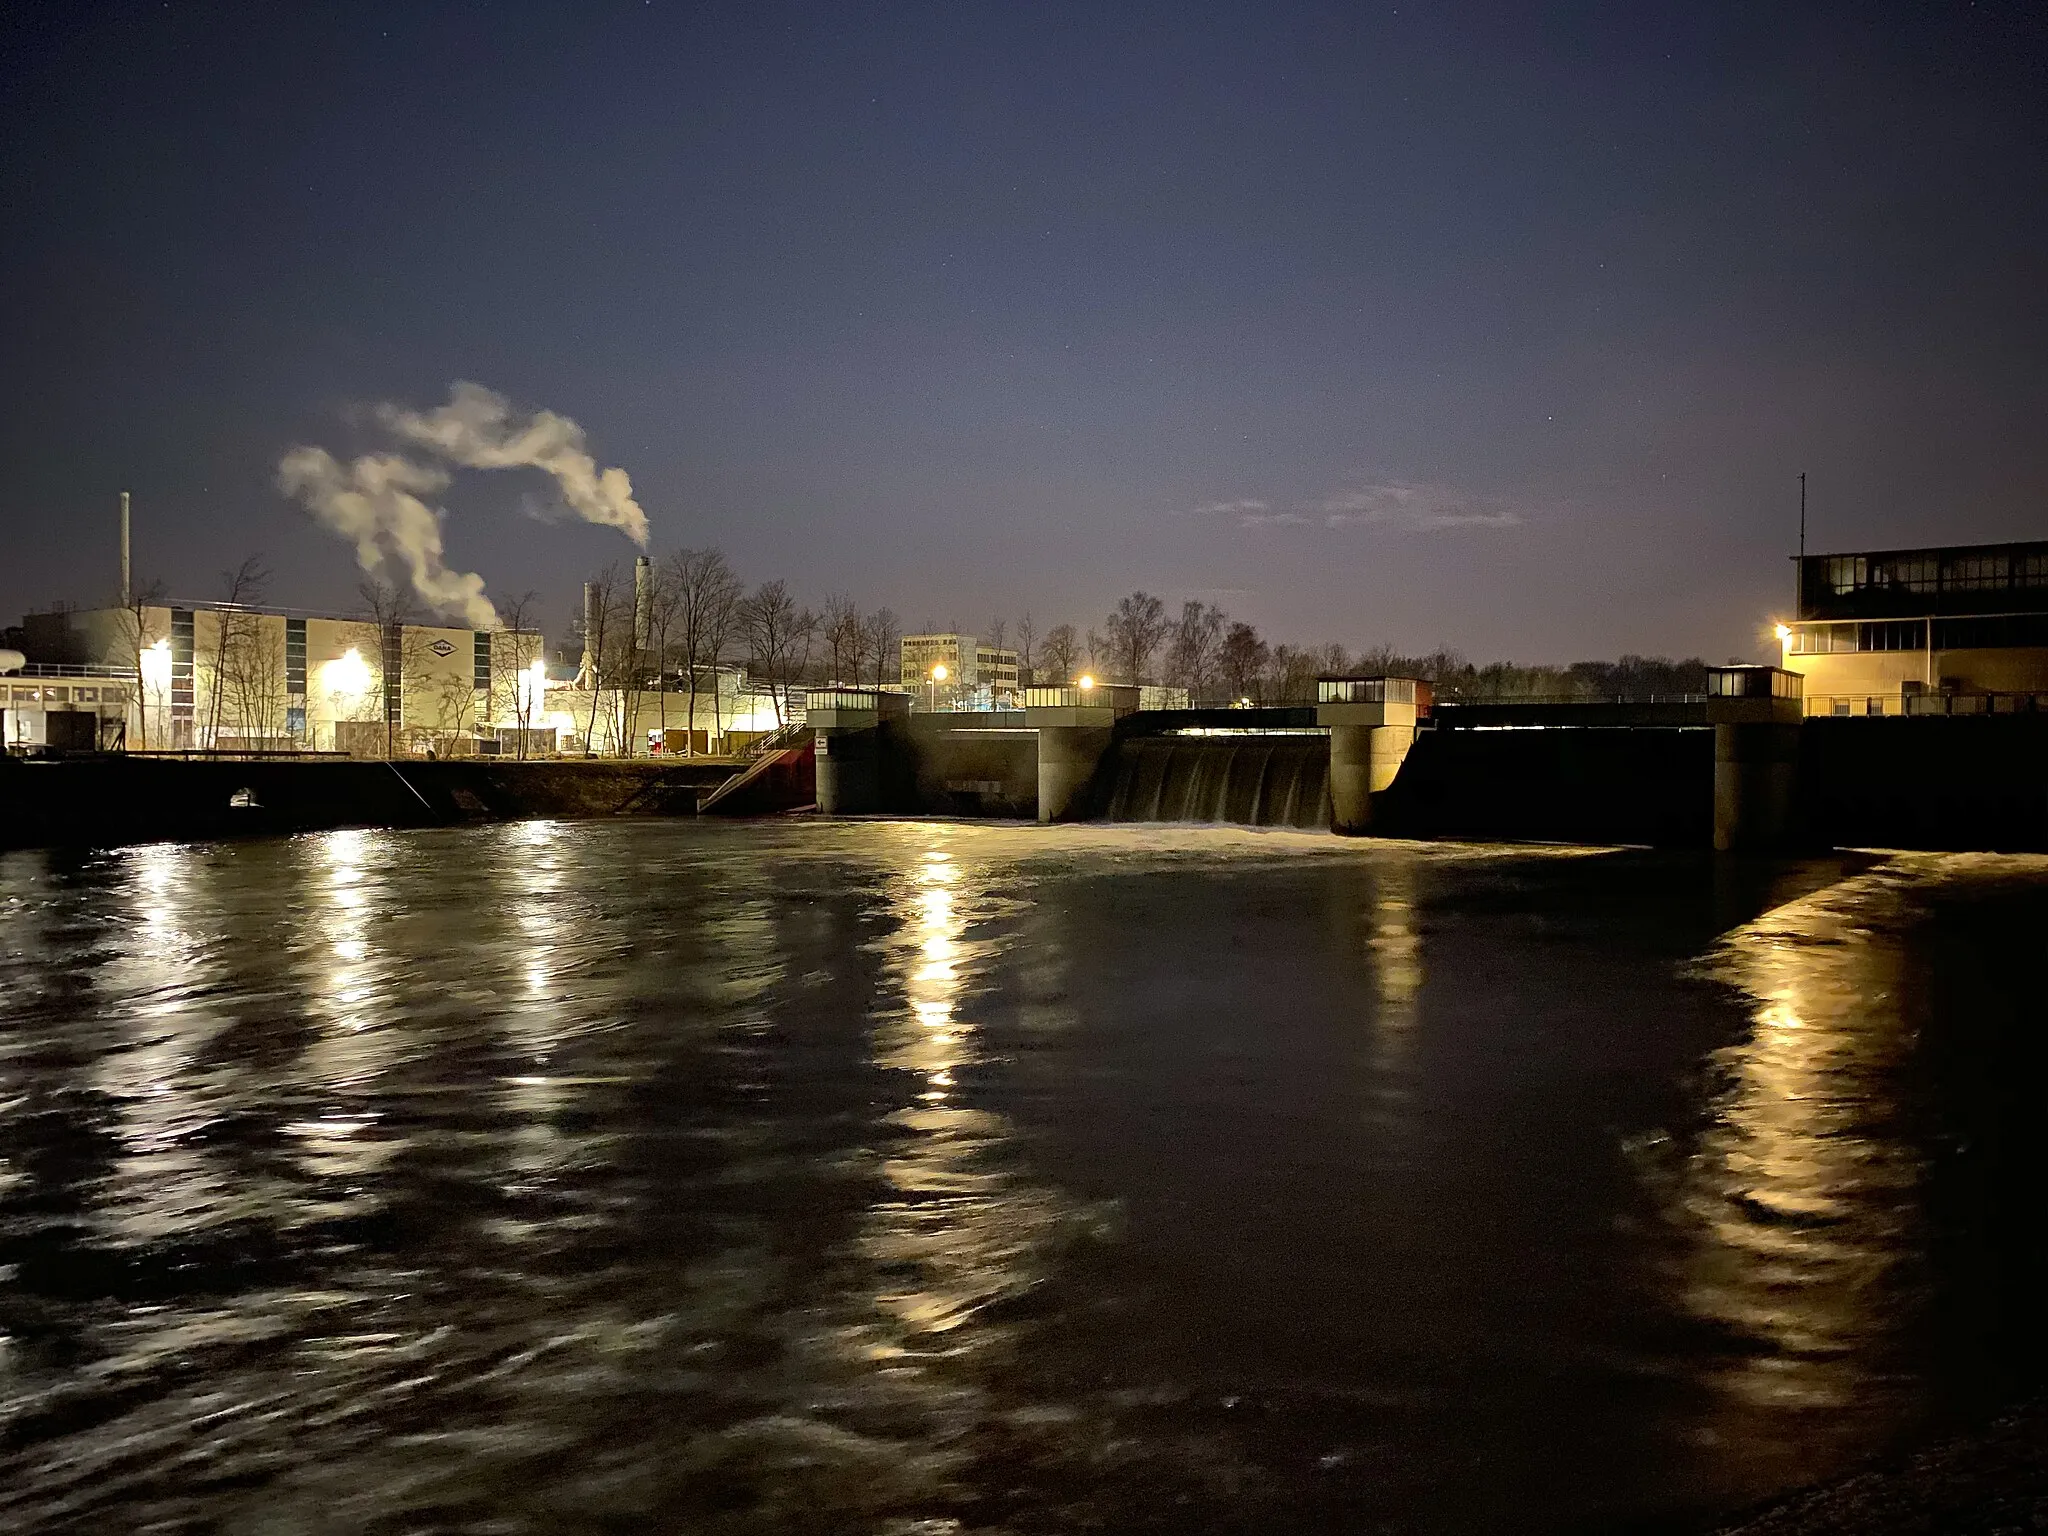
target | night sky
[{"x": 1414, "y": 323}]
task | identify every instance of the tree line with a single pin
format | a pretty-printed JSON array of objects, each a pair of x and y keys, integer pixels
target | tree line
[{"x": 701, "y": 617}]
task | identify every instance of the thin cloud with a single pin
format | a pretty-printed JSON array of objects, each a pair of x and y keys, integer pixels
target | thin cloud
[
  {"x": 1402, "y": 505},
  {"x": 1419, "y": 508}
]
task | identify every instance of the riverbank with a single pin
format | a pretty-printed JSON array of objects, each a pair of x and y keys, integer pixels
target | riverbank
[
  {"x": 1994, "y": 1479},
  {"x": 107, "y": 801}
]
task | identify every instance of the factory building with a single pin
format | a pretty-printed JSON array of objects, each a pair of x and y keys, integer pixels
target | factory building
[
  {"x": 239, "y": 678},
  {"x": 1955, "y": 630}
]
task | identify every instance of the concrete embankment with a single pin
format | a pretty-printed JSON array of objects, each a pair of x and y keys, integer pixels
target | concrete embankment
[{"x": 102, "y": 801}]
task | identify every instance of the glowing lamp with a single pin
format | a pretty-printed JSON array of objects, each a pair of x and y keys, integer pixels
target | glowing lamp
[
  {"x": 1783, "y": 632},
  {"x": 939, "y": 673},
  {"x": 156, "y": 666},
  {"x": 348, "y": 673},
  {"x": 1087, "y": 681}
]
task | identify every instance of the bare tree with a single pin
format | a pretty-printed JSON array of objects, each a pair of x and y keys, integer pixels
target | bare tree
[
  {"x": 1191, "y": 648},
  {"x": 998, "y": 632},
  {"x": 520, "y": 647},
  {"x": 1027, "y": 642},
  {"x": 1241, "y": 660},
  {"x": 707, "y": 610},
  {"x": 1061, "y": 653},
  {"x": 841, "y": 627},
  {"x": 388, "y": 608},
  {"x": 883, "y": 638},
  {"x": 241, "y": 589},
  {"x": 1133, "y": 632},
  {"x": 137, "y": 640},
  {"x": 779, "y": 637}
]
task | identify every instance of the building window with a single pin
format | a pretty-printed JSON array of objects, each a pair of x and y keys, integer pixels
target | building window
[
  {"x": 1841, "y": 707},
  {"x": 1874, "y": 705},
  {"x": 182, "y": 647},
  {"x": 1894, "y": 635},
  {"x": 481, "y": 670},
  {"x": 295, "y": 658},
  {"x": 394, "y": 674}
]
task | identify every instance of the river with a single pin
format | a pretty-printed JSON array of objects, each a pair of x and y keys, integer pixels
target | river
[{"x": 921, "y": 1178}]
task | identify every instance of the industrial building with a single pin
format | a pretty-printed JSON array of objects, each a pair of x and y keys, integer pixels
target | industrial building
[
  {"x": 234, "y": 677},
  {"x": 972, "y": 671},
  {"x": 1955, "y": 630}
]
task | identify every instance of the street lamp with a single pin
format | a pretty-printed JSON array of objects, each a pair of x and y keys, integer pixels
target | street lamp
[
  {"x": 938, "y": 677},
  {"x": 1087, "y": 681}
]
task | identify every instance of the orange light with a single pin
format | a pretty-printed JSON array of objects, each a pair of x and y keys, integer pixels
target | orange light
[{"x": 1087, "y": 681}]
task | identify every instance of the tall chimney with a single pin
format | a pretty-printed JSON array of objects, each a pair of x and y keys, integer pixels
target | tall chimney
[
  {"x": 643, "y": 600},
  {"x": 127, "y": 582},
  {"x": 591, "y": 625}
]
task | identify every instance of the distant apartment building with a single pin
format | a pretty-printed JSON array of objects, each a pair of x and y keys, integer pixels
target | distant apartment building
[
  {"x": 1955, "y": 630},
  {"x": 972, "y": 668}
]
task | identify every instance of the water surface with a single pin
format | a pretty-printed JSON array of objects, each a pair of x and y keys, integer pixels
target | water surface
[{"x": 924, "y": 1177}]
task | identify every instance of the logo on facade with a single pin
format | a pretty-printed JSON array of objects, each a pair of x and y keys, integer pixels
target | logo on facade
[{"x": 442, "y": 649}]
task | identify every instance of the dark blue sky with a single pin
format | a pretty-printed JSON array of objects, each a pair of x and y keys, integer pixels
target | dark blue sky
[{"x": 1502, "y": 327}]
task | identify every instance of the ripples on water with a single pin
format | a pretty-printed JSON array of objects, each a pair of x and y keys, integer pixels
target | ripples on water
[{"x": 923, "y": 1177}]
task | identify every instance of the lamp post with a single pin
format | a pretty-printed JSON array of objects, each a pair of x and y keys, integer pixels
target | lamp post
[{"x": 938, "y": 677}]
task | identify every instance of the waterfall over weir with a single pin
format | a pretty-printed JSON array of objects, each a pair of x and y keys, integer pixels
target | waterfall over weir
[{"x": 1251, "y": 780}]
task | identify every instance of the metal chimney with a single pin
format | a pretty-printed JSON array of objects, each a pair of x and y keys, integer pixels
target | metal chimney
[
  {"x": 643, "y": 600},
  {"x": 591, "y": 624},
  {"x": 127, "y": 582}
]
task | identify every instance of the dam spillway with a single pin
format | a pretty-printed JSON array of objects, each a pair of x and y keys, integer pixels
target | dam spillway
[{"x": 1249, "y": 779}]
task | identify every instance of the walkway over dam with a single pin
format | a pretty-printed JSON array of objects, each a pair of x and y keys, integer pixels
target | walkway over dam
[{"x": 1737, "y": 768}]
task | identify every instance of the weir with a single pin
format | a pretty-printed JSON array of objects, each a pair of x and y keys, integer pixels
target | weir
[{"x": 1251, "y": 780}]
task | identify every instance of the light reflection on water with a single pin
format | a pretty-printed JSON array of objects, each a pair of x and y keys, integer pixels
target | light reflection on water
[{"x": 938, "y": 1177}]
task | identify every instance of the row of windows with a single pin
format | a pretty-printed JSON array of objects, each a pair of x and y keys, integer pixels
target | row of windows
[
  {"x": 1889, "y": 635},
  {"x": 1987, "y": 572},
  {"x": 1996, "y": 632}
]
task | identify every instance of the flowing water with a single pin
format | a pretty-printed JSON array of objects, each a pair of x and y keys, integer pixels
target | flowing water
[
  {"x": 1265, "y": 779},
  {"x": 925, "y": 1178}
]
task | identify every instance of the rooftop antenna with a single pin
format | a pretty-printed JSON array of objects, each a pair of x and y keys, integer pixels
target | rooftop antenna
[{"x": 127, "y": 585}]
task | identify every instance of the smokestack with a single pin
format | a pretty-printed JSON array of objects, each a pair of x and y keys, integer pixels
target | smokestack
[
  {"x": 590, "y": 628},
  {"x": 127, "y": 581},
  {"x": 643, "y": 600}
]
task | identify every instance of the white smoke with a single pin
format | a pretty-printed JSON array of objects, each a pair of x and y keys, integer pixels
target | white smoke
[
  {"x": 372, "y": 500},
  {"x": 479, "y": 429}
]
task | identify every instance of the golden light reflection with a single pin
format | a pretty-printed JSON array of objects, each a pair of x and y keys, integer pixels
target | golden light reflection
[
  {"x": 1802, "y": 1197},
  {"x": 1393, "y": 943},
  {"x": 345, "y": 982},
  {"x": 166, "y": 1179},
  {"x": 959, "y": 1228}
]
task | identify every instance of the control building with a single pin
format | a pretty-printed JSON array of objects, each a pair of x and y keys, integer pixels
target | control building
[{"x": 1958, "y": 630}]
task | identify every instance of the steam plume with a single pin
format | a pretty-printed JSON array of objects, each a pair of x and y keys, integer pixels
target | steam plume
[
  {"x": 373, "y": 501},
  {"x": 479, "y": 429}
]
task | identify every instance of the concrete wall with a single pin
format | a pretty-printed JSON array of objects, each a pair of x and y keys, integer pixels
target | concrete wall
[
  {"x": 986, "y": 767},
  {"x": 1594, "y": 785},
  {"x": 1971, "y": 782},
  {"x": 112, "y": 800}
]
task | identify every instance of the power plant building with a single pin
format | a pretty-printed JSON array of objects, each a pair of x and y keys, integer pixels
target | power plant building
[{"x": 1955, "y": 630}]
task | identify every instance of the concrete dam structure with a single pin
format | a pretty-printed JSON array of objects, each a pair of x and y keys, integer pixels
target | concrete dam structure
[{"x": 1737, "y": 769}]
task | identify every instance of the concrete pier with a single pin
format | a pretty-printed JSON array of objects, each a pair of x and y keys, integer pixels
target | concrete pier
[
  {"x": 1755, "y": 712},
  {"x": 850, "y": 727},
  {"x": 1371, "y": 722},
  {"x": 1074, "y": 726}
]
